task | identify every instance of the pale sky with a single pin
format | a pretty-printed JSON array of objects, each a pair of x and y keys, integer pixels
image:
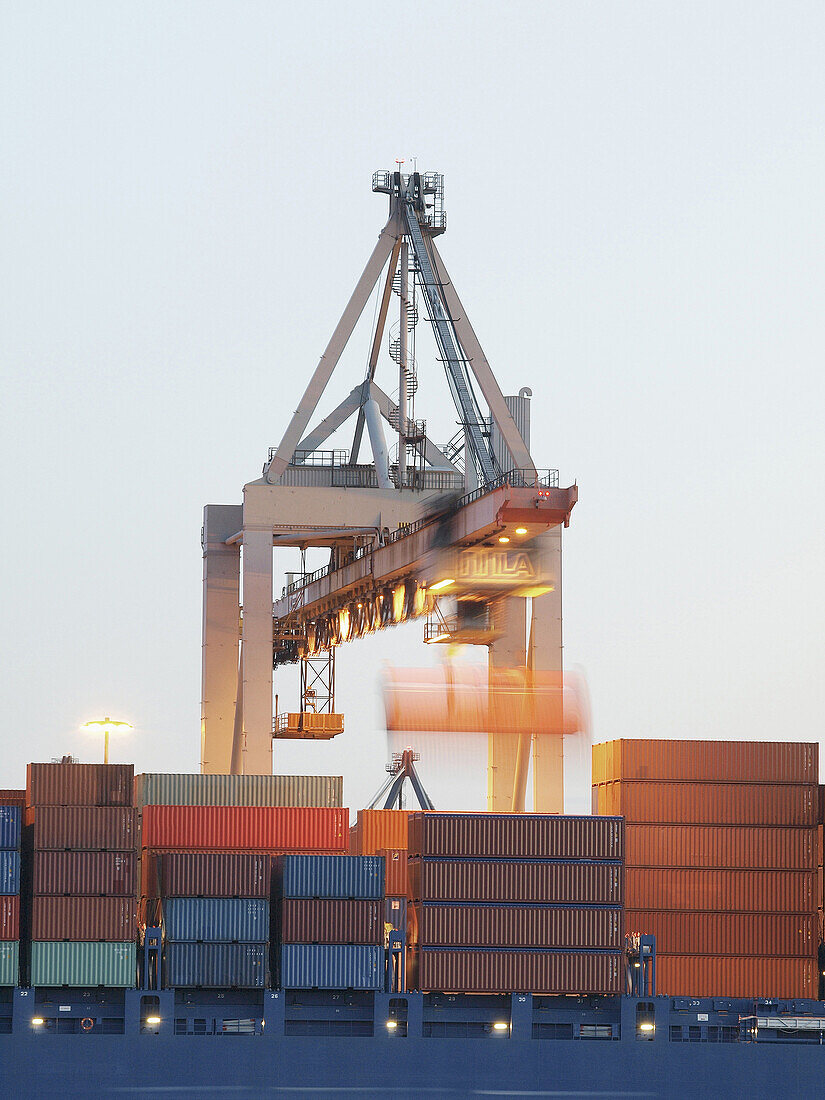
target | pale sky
[{"x": 634, "y": 195}]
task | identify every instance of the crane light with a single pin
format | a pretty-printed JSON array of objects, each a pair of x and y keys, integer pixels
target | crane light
[
  {"x": 521, "y": 530},
  {"x": 442, "y": 584},
  {"x": 503, "y": 538},
  {"x": 106, "y": 726}
]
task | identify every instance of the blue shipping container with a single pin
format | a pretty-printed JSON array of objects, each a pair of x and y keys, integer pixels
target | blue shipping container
[
  {"x": 331, "y": 966},
  {"x": 395, "y": 914},
  {"x": 216, "y": 965},
  {"x": 9, "y": 872},
  {"x": 331, "y": 876},
  {"x": 216, "y": 920},
  {"x": 10, "y": 822}
]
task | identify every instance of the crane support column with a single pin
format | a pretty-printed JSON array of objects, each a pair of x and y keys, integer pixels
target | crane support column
[
  {"x": 507, "y": 651},
  {"x": 256, "y": 652},
  {"x": 219, "y": 656},
  {"x": 545, "y": 655}
]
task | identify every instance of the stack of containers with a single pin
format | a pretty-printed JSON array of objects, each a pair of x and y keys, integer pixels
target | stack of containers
[
  {"x": 81, "y": 833},
  {"x": 10, "y": 832},
  {"x": 720, "y": 861},
  {"x": 208, "y": 843},
  {"x": 329, "y": 919},
  {"x": 384, "y": 833},
  {"x": 506, "y": 903}
]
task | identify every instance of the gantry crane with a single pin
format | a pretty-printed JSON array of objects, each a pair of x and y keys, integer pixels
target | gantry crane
[{"x": 463, "y": 535}]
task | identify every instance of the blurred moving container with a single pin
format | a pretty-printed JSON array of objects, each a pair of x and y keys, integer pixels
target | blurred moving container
[
  {"x": 170, "y": 789},
  {"x": 720, "y": 867}
]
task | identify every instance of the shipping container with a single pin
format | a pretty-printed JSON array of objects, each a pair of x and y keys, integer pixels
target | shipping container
[
  {"x": 684, "y": 933},
  {"x": 377, "y": 829},
  {"x": 162, "y": 789},
  {"x": 515, "y": 836},
  {"x": 436, "y": 924},
  {"x": 720, "y": 891},
  {"x": 83, "y": 874},
  {"x": 9, "y": 963},
  {"x": 9, "y": 872},
  {"x": 206, "y": 874},
  {"x": 216, "y": 965},
  {"x": 226, "y": 828},
  {"x": 80, "y": 785},
  {"x": 749, "y": 976},
  {"x": 215, "y": 920},
  {"x": 395, "y": 872},
  {"x": 509, "y": 971},
  {"x": 83, "y": 964},
  {"x": 733, "y": 846},
  {"x": 706, "y": 761},
  {"x": 84, "y": 828},
  {"x": 9, "y": 917},
  {"x": 303, "y": 876},
  {"x": 331, "y": 920},
  {"x": 640, "y": 801},
  {"x": 10, "y": 821},
  {"x": 505, "y": 880},
  {"x": 13, "y": 797},
  {"x": 331, "y": 966},
  {"x": 79, "y": 918}
]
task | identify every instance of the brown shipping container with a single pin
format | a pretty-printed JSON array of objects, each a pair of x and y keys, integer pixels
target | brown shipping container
[
  {"x": 504, "y": 881},
  {"x": 331, "y": 920},
  {"x": 228, "y": 828},
  {"x": 9, "y": 916},
  {"x": 707, "y": 803},
  {"x": 377, "y": 829},
  {"x": 84, "y": 828},
  {"x": 515, "y": 836},
  {"x": 85, "y": 919},
  {"x": 706, "y": 761},
  {"x": 720, "y": 891},
  {"x": 80, "y": 785},
  {"x": 13, "y": 798},
  {"x": 731, "y": 976},
  {"x": 727, "y": 933},
  {"x": 207, "y": 875},
  {"x": 515, "y": 926},
  {"x": 395, "y": 879},
  {"x": 516, "y": 971},
  {"x": 83, "y": 874},
  {"x": 734, "y": 846}
]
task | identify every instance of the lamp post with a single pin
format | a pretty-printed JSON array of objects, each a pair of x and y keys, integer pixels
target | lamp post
[{"x": 107, "y": 726}]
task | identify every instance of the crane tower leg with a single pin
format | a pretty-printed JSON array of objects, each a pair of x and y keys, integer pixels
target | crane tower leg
[
  {"x": 507, "y": 651},
  {"x": 256, "y": 652},
  {"x": 545, "y": 655},
  {"x": 219, "y": 657}
]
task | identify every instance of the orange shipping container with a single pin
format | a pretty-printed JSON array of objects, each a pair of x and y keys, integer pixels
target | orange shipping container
[
  {"x": 735, "y": 976},
  {"x": 640, "y": 801},
  {"x": 706, "y": 761},
  {"x": 733, "y": 846},
  {"x": 727, "y": 933},
  {"x": 377, "y": 829},
  {"x": 720, "y": 891}
]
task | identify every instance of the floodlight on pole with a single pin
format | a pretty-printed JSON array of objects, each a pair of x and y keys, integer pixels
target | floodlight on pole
[{"x": 107, "y": 726}]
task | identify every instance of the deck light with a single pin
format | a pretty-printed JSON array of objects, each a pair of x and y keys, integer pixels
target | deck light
[
  {"x": 646, "y": 1027},
  {"x": 153, "y": 1019},
  {"x": 500, "y": 1025},
  {"x": 391, "y": 1025},
  {"x": 37, "y": 1021},
  {"x": 107, "y": 726}
]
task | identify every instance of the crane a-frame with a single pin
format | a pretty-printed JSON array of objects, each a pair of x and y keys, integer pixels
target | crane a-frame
[{"x": 464, "y": 535}]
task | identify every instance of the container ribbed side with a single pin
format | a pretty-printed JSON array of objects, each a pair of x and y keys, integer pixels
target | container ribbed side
[
  {"x": 83, "y": 964},
  {"x": 178, "y": 789}
]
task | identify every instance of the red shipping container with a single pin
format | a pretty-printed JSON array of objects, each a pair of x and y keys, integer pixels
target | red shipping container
[
  {"x": 515, "y": 926},
  {"x": 395, "y": 881},
  {"x": 84, "y": 919},
  {"x": 515, "y": 836},
  {"x": 331, "y": 920},
  {"x": 733, "y": 846},
  {"x": 504, "y": 881},
  {"x": 684, "y": 933},
  {"x": 246, "y": 828},
  {"x": 9, "y": 915},
  {"x": 84, "y": 874},
  {"x": 706, "y": 761},
  {"x": 207, "y": 875},
  {"x": 515, "y": 971},
  {"x": 730, "y": 976},
  {"x": 720, "y": 891},
  {"x": 377, "y": 829},
  {"x": 707, "y": 803},
  {"x": 83, "y": 828},
  {"x": 80, "y": 784}
]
